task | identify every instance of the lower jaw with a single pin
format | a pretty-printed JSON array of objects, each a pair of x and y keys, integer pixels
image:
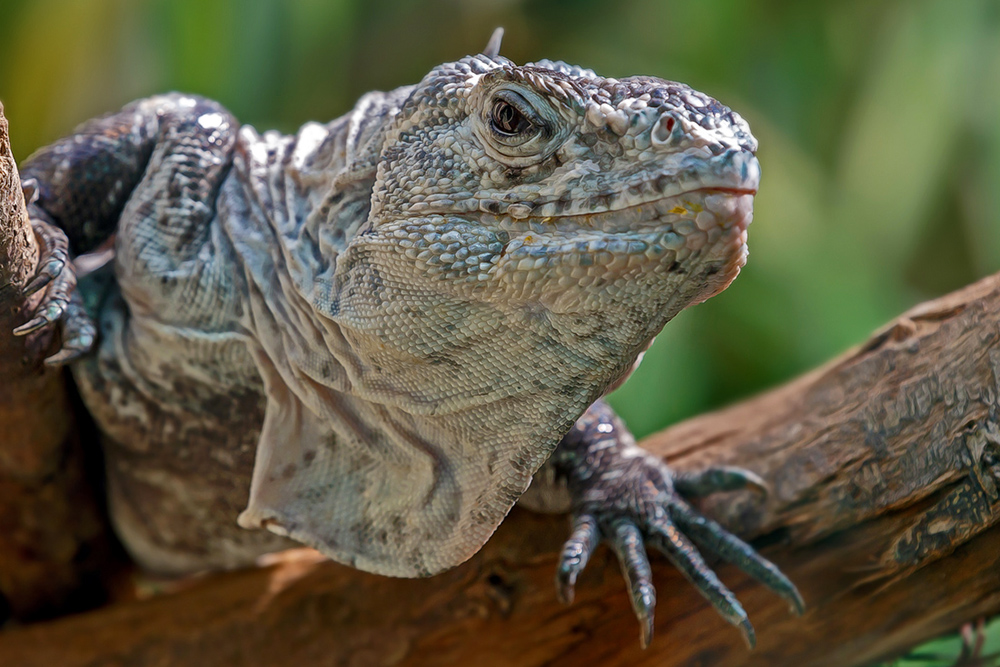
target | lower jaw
[{"x": 734, "y": 258}]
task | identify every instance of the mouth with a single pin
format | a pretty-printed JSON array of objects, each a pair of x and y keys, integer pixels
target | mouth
[
  {"x": 730, "y": 191},
  {"x": 698, "y": 209},
  {"x": 701, "y": 224}
]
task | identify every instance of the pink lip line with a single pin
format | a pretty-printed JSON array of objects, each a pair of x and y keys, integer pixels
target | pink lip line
[{"x": 729, "y": 191}]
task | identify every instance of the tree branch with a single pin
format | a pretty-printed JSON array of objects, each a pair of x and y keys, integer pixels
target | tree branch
[{"x": 53, "y": 537}]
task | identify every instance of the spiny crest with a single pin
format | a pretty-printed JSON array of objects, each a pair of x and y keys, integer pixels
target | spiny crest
[
  {"x": 492, "y": 49},
  {"x": 450, "y": 81}
]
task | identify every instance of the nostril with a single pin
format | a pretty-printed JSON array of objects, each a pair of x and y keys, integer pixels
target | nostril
[{"x": 664, "y": 129}]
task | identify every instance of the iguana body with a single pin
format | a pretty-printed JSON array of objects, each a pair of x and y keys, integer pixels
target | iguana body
[{"x": 370, "y": 336}]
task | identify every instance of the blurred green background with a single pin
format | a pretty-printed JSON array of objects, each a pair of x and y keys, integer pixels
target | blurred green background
[{"x": 879, "y": 129}]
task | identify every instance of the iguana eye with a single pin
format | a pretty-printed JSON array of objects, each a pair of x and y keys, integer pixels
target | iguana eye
[
  {"x": 518, "y": 126},
  {"x": 507, "y": 119},
  {"x": 513, "y": 120}
]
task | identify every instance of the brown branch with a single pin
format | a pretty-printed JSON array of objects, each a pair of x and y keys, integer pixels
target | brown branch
[
  {"x": 883, "y": 466},
  {"x": 51, "y": 528}
]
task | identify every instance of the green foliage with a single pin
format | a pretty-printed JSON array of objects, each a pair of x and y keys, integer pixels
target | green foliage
[
  {"x": 878, "y": 126},
  {"x": 957, "y": 651}
]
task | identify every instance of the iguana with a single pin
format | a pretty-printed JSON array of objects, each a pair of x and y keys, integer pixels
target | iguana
[{"x": 372, "y": 336}]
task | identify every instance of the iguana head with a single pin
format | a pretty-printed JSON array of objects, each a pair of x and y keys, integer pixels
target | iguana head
[
  {"x": 583, "y": 211},
  {"x": 530, "y": 229}
]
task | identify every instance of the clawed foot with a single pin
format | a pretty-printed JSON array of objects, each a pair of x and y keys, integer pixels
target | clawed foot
[
  {"x": 61, "y": 304},
  {"x": 633, "y": 500}
]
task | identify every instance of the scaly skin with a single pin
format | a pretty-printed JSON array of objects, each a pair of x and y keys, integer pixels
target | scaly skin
[{"x": 370, "y": 336}]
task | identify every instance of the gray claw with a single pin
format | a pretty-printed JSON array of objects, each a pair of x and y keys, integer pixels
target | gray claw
[
  {"x": 717, "y": 478},
  {"x": 575, "y": 554},
  {"x": 37, "y": 283},
  {"x": 29, "y": 187},
  {"x": 50, "y": 314},
  {"x": 28, "y": 327},
  {"x": 79, "y": 333},
  {"x": 666, "y": 537},
  {"x": 54, "y": 252},
  {"x": 65, "y": 356},
  {"x": 719, "y": 541},
  {"x": 646, "y": 628},
  {"x": 627, "y": 543},
  {"x": 749, "y": 635}
]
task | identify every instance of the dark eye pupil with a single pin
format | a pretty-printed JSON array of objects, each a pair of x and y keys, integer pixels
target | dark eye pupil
[{"x": 507, "y": 119}]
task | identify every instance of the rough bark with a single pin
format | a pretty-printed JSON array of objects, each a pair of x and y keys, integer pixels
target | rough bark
[
  {"x": 883, "y": 466},
  {"x": 51, "y": 528}
]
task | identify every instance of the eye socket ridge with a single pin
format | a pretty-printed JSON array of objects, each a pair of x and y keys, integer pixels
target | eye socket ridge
[{"x": 513, "y": 117}]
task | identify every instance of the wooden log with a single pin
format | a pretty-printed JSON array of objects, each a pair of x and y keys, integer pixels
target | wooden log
[
  {"x": 53, "y": 536},
  {"x": 883, "y": 467}
]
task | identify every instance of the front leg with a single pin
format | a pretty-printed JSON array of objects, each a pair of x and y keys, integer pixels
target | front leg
[
  {"x": 622, "y": 494},
  {"x": 78, "y": 188}
]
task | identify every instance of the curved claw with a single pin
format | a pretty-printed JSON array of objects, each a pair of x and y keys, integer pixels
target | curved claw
[
  {"x": 575, "y": 554},
  {"x": 46, "y": 273},
  {"x": 719, "y": 541},
  {"x": 48, "y": 315},
  {"x": 52, "y": 273},
  {"x": 665, "y": 537},
  {"x": 630, "y": 498},
  {"x": 53, "y": 257},
  {"x": 65, "y": 356},
  {"x": 30, "y": 188},
  {"x": 718, "y": 478},
  {"x": 61, "y": 305},
  {"x": 78, "y": 333},
  {"x": 628, "y": 545}
]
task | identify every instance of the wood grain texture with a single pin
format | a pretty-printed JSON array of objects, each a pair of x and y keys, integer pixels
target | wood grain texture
[
  {"x": 18, "y": 251},
  {"x": 52, "y": 533},
  {"x": 883, "y": 466}
]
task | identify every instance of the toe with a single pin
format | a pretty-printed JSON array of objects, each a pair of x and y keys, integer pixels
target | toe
[
  {"x": 53, "y": 255},
  {"x": 627, "y": 542},
  {"x": 575, "y": 554},
  {"x": 716, "y": 539},
  {"x": 715, "y": 479},
  {"x": 78, "y": 333},
  {"x": 666, "y": 537}
]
